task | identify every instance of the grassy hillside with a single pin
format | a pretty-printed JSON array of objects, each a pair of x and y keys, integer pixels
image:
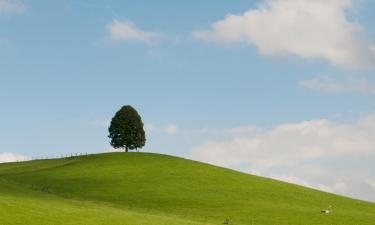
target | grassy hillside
[{"x": 145, "y": 189}]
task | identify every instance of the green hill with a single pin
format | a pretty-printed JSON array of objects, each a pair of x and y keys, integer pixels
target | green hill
[{"x": 153, "y": 189}]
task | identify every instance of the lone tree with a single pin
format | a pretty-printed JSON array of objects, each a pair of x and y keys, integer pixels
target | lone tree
[{"x": 126, "y": 129}]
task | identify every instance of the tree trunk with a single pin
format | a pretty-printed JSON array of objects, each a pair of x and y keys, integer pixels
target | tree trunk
[{"x": 126, "y": 149}]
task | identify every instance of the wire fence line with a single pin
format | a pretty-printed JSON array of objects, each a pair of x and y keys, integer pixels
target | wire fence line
[{"x": 62, "y": 156}]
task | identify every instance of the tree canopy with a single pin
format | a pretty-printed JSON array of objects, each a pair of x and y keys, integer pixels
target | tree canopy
[{"x": 126, "y": 129}]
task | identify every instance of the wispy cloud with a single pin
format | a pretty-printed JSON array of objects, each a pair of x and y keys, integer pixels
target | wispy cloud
[
  {"x": 126, "y": 31},
  {"x": 309, "y": 29},
  {"x": 330, "y": 85},
  {"x": 12, "y": 6}
]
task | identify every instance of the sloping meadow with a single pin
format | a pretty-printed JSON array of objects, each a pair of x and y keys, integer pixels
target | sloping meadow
[{"x": 145, "y": 188}]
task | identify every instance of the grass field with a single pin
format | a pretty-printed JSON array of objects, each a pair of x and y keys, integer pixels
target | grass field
[{"x": 153, "y": 189}]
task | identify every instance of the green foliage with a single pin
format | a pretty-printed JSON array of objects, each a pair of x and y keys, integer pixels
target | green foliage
[
  {"x": 153, "y": 189},
  {"x": 126, "y": 129}
]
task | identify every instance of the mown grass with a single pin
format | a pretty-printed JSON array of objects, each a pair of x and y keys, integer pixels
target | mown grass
[
  {"x": 144, "y": 188},
  {"x": 25, "y": 207}
]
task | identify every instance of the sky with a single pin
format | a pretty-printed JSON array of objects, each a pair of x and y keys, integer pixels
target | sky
[{"x": 277, "y": 88}]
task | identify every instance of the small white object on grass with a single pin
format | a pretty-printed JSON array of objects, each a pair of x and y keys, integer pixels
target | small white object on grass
[{"x": 327, "y": 211}]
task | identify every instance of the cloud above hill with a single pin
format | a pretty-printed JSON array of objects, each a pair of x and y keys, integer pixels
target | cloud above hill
[
  {"x": 294, "y": 152},
  {"x": 310, "y": 29},
  {"x": 291, "y": 143},
  {"x": 11, "y": 157}
]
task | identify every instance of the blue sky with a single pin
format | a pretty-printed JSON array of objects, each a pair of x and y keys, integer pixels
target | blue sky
[{"x": 235, "y": 83}]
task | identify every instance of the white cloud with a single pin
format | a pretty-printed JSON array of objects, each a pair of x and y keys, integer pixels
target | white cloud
[
  {"x": 295, "y": 152},
  {"x": 12, "y": 157},
  {"x": 292, "y": 143},
  {"x": 351, "y": 84},
  {"x": 126, "y": 31},
  {"x": 345, "y": 180},
  {"x": 170, "y": 129},
  {"x": 309, "y": 29},
  {"x": 12, "y": 6},
  {"x": 336, "y": 186}
]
